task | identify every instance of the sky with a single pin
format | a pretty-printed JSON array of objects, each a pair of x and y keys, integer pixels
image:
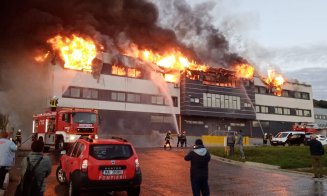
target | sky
[{"x": 290, "y": 36}]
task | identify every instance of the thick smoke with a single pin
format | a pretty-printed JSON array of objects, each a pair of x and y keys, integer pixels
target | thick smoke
[{"x": 114, "y": 24}]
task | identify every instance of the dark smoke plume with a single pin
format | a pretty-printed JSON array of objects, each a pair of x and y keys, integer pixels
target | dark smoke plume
[{"x": 27, "y": 25}]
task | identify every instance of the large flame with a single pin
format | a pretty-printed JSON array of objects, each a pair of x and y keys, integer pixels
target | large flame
[
  {"x": 77, "y": 52},
  {"x": 244, "y": 71},
  {"x": 275, "y": 81},
  {"x": 174, "y": 61}
]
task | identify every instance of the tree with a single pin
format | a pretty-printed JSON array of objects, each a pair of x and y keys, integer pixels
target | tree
[{"x": 4, "y": 121}]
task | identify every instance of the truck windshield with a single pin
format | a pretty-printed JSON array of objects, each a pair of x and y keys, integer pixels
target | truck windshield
[{"x": 84, "y": 117}]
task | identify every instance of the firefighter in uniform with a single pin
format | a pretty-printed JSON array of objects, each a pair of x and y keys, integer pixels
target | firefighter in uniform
[
  {"x": 167, "y": 140},
  {"x": 53, "y": 103},
  {"x": 18, "y": 139},
  {"x": 183, "y": 139},
  {"x": 179, "y": 140}
]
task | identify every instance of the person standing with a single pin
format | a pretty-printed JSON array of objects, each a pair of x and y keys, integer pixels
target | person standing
[
  {"x": 7, "y": 155},
  {"x": 53, "y": 103},
  {"x": 179, "y": 140},
  {"x": 240, "y": 143},
  {"x": 183, "y": 139},
  {"x": 18, "y": 138},
  {"x": 199, "y": 171},
  {"x": 316, "y": 151},
  {"x": 231, "y": 143},
  {"x": 167, "y": 140}
]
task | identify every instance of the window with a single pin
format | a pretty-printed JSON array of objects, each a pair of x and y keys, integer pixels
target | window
[
  {"x": 278, "y": 110},
  {"x": 307, "y": 113},
  {"x": 285, "y": 93},
  {"x": 260, "y": 124},
  {"x": 299, "y": 112},
  {"x": 90, "y": 93},
  {"x": 117, "y": 96},
  {"x": 220, "y": 101},
  {"x": 157, "y": 100},
  {"x": 264, "y": 109},
  {"x": 80, "y": 150},
  {"x": 262, "y": 90},
  {"x": 75, "y": 92},
  {"x": 247, "y": 105},
  {"x": 175, "y": 101},
  {"x": 287, "y": 111},
  {"x": 305, "y": 96},
  {"x": 118, "y": 70},
  {"x": 297, "y": 95},
  {"x": 74, "y": 153},
  {"x": 133, "y": 73},
  {"x": 133, "y": 98},
  {"x": 257, "y": 108},
  {"x": 111, "y": 151}
]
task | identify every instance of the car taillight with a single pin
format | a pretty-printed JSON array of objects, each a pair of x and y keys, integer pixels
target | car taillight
[
  {"x": 137, "y": 166},
  {"x": 84, "y": 165}
]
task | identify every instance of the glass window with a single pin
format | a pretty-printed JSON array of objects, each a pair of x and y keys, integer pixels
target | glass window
[
  {"x": 264, "y": 109},
  {"x": 111, "y": 151},
  {"x": 205, "y": 101},
  {"x": 285, "y": 93},
  {"x": 121, "y": 96},
  {"x": 75, "y": 92},
  {"x": 257, "y": 108},
  {"x": 287, "y": 111},
  {"x": 299, "y": 112},
  {"x": 80, "y": 150},
  {"x": 70, "y": 150},
  {"x": 196, "y": 100},
  {"x": 160, "y": 100},
  {"x": 113, "y": 96},
  {"x": 90, "y": 93},
  {"x": 74, "y": 153},
  {"x": 278, "y": 110},
  {"x": 307, "y": 113},
  {"x": 84, "y": 117},
  {"x": 226, "y": 101},
  {"x": 262, "y": 90},
  {"x": 297, "y": 95},
  {"x": 175, "y": 101},
  {"x": 305, "y": 96}
]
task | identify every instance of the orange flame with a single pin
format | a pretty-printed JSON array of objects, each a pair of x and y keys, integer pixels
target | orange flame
[
  {"x": 275, "y": 82},
  {"x": 244, "y": 71},
  {"x": 41, "y": 57},
  {"x": 175, "y": 61},
  {"x": 77, "y": 52}
]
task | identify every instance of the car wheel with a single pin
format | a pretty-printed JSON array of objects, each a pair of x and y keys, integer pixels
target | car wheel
[
  {"x": 60, "y": 144},
  {"x": 72, "y": 190},
  {"x": 134, "y": 191},
  {"x": 60, "y": 175}
]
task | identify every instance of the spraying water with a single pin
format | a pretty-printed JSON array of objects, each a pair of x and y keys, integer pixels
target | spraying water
[{"x": 252, "y": 106}]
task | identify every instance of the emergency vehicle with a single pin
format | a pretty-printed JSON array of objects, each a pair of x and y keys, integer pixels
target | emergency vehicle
[{"x": 64, "y": 126}]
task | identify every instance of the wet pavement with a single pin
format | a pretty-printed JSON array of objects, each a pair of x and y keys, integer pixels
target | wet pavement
[{"x": 165, "y": 173}]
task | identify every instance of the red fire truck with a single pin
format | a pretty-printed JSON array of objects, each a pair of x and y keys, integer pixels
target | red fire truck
[
  {"x": 306, "y": 127},
  {"x": 60, "y": 128}
]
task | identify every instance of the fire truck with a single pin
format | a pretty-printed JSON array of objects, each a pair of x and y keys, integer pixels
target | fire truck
[
  {"x": 306, "y": 127},
  {"x": 60, "y": 128}
]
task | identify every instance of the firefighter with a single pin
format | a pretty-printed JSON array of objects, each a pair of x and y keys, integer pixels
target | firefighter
[
  {"x": 53, "y": 103},
  {"x": 179, "y": 140},
  {"x": 167, "y": 140},
  {"x": 183, "y": 138},
  {"x": 18, "y": 138}
]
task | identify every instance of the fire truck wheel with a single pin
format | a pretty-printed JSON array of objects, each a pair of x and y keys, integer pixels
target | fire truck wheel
[{"x": 60, "y": 144}]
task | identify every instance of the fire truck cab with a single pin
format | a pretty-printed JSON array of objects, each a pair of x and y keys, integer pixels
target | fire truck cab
[{"x": 63, "y": 127}]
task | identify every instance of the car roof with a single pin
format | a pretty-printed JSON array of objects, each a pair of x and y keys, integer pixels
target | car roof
[
  {"x": 300, "y": 132},
  {"x": 105, "y": 141}
]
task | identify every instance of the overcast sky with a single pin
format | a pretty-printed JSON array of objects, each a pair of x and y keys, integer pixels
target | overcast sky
[{"x": 289, "y": 35}]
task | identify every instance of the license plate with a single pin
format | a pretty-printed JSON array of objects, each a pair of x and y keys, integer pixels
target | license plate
[{"x": 112, "y": 172}]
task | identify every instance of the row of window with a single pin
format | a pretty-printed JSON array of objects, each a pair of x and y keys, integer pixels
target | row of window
[
  {"x": 285, "y": 93},
  {"x": 282, "y": 111},
  {"x": 221, "y": 101},
  {"x": 322, "y": 117},
  {"x": 107, "y": 95}
]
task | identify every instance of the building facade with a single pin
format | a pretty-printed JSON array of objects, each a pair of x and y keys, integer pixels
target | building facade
[
  {"x": 135, "y": 99},
  {"x": 320, "y": 115},
  {"x": 279, "y": 113}
]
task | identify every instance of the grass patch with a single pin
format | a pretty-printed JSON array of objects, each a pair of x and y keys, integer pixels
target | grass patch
[{"x": 292, "y": 157}]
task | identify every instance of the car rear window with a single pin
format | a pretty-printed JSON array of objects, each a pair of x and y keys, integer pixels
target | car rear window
[{"x": 111, "y": 151}]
